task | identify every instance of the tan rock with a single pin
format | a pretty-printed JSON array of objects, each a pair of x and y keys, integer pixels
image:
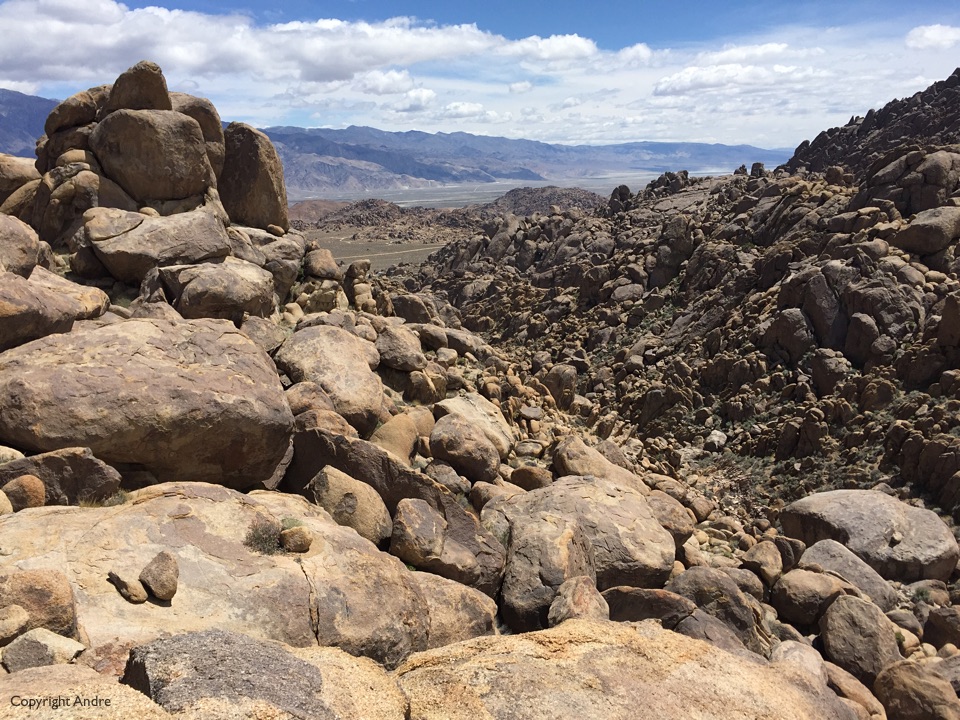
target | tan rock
[
  {"x": 14, "y": 620},
  {"x": 604, "y": 670},
  {"x": 398, "y": 436},
  {"x": 154, "y": 155},
  {"x": 251, "y": 184},
  {"x": 578, "y": 599},
  {"x": 351, "y": 503},
  {"x": 15, "y": 172},
  {"x": 45, "y": 594},
  {"x": 26, "y": 491},
  {"x": 573, "y": 457},
  {"x": 206, "y": 115},
  {"x": 229, "y": 289},
  {"x": 161, "y": 575},
  {"x": 208, "y": 402},
  {"x": 6, "y": 507},
  {"x": 39, "y": 647},
  {"x": 19, "y": 244},
  {"x": 296, "y": 539},
  {"x": 485, "y": 416}
]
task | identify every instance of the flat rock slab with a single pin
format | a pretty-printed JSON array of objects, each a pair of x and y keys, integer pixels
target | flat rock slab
[
  {"x": 197, "y": 672},
  {"x": 899, "y": 541},
  {"x": 332, "y": 594},
  {"x": 185, "y": 400},
  {"x": 595, "y": 670}
]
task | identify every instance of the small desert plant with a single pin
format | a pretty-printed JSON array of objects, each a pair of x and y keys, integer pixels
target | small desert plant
[
  {"x": 290, "y": 522},
  {"x": 91, "y": 501},
  {"x": 921, "y": 595},
  {"x": 263, "y": 536}
]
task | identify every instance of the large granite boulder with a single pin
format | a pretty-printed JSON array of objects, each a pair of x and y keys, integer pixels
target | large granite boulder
[
  {"x": 629, "y": 545},
  {"x": 191, "y": 400},
  {"x": 15, "y": 172},
  {"x": 229, "y": 289},
  {"x": 340, "y": 363},
  {"x": 899, "y": 541},
  {"x": 834, "y": 557},
  {"x": 129, "y": 244},
  {"x": 597, "y": 671},
  {"x": 19, "y": 246},
  {"x": 251, "y": 184},
  {"x": 330, "y": 595},
  {"x": 30, "y": 312},
  {"x": 154, "y": 155}
]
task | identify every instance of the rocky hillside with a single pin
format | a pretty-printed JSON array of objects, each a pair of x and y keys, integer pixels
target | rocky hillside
[
  {"x": 21, "y": 118},
  {"x": 563, "y": 468},
  {"x": 931, "y": 117}
]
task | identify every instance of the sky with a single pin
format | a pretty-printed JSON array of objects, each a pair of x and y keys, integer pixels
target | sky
[{"x": 769, "y": 73}]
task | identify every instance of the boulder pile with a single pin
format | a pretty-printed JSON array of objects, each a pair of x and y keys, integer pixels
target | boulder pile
[{"x": 238, "y": 479}]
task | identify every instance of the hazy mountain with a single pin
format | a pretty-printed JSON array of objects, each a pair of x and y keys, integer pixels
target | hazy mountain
[
  {"x": 358, "y": 159},
  {"x": 21, "y": 121}
]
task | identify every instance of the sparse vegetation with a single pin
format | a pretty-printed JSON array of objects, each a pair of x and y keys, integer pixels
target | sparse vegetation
[{"x": 263, "y": 536}]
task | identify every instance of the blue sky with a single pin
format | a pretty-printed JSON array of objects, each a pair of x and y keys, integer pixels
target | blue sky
[{"x": 769, "y": 73}]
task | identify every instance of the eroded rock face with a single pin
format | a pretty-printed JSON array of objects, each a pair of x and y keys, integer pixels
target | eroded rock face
[
  {"x": 251, "y": 184},
  {"x": 340, "y": 363},
  {"x": 154, "y": 155},
  {"x": 603, "y": 670},
  {"x": 188, "y": 399},
  {"x": 629, "y": 545},
  {"x": 897, "y": 540},
  {"x": 332, "y": 593}
]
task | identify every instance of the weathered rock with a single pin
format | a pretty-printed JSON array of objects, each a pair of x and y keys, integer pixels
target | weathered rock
[
  {"x": 331, "y": 594},
  {"x": 77, "y": 681},
  {"x": 858, "y": 637},
  {"x": 39, "y": 647},
  {"x": 561, "y": 381},
  {"x": 483, "y": 415},
  {"x": 251, "y": 184},
  {"x": 801, "y": 596},
  {"x": 45, "y": 594},
  {"x": 141, "y": 87},
  {"x": 765, "y": 560},
  {"x": 831, "y": 555},
  {"x": 573, "y": 457},
  {"x": 229, "y": 289},
  {"x": 154, "y": 155},
  {"x": 897, "y": 540},
  {"x": 942, "y": 627},
  {"x": 351, "y": 503},
  {"x": 399, "y": 349},
  {"x": 714, "y": 592},
  {"x": 132, "y": 590},
  {"x": 457, "y": 612},
  {"x": 531, "y": 477},
  {"x": 15, "y": 172},
  {"x": 130, "y": 244},
  {"x": 207, "y": 117},
  {"x": 85, "y": 303},
  {"x": 399, "y": 436},
  {"x": 630, "y": 604},
  {"x": 456, "y": 441},
  {"x": 340, "y": 363},
  {"x": 578, "y": 599},
  {"x": 192, "y": 399},
  {"x": 847, "y": 687},
  {"x": 19, "y": 246},
  {"x": 672, "y": 516},
  {"x": 930, "y": 231},
  {"x": 544, "y": 551},
  {"x": 909, "y": 691},
  {"x": 209, "y": 671},
  {"x": 605, "y": 670},
  {"x": 630, "y": 547},
  {"x": 25, "y": 491},
  {"x": 13, "y": 622},
  {"x": 69, "y": 476},
  {"x": 161, "y": 575},
  {"x": 423, "y": 538},
  {"x": 30, "y": 312}
]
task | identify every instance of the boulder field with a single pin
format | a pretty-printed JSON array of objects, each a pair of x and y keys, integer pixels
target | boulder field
[{"x": 565, "y": 468}]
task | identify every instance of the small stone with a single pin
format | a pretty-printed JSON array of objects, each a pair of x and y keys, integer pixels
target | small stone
[
  {"x": 160, "y": 576},
  {"x": 40, "y": 647},
  {"x": 13, "y": 620},
  {"x": 296, "y": 539},
  {"x": 131, "y": 590},
  {"x": 26, "y": 491}
]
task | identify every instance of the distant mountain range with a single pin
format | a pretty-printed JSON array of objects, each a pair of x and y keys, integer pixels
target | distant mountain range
[
  {"x": 21, "y": 121},
  {"x": 355, "y": 160}
]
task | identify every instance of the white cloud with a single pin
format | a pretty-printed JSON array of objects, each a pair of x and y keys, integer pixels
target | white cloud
[
  {"x": 392, "y": 82},
  {"x": 772, "y": 89},
  {"x": 938, "y": 37},
  {"x": 415, "y": 100}
]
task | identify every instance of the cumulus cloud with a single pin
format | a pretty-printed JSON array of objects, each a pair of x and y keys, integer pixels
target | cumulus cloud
[
  {"x": 776, "y": 88},
  {"x": 937, "y": 37},
  {"x": 415, "y": 100}
]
